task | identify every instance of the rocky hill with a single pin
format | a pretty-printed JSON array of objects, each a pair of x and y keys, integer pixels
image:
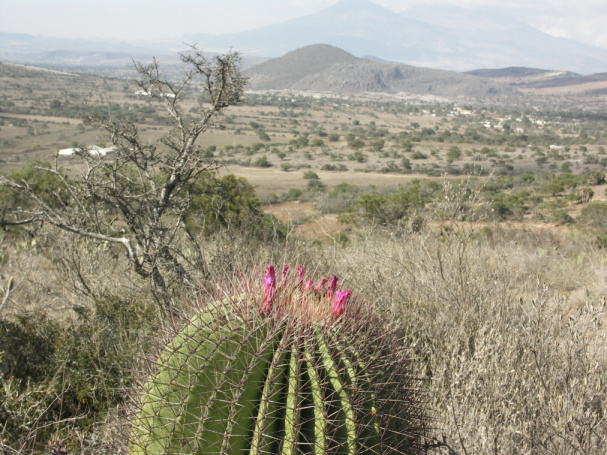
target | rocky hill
[{"x": 324, "y": 68}]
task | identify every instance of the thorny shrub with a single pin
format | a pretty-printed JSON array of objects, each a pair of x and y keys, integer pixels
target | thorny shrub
[{"x": 62, "y": 377}]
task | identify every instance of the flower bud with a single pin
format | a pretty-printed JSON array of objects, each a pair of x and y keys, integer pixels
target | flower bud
[
  {"x": 269, "y": 289},
  {"x": 339, "y": 302}
]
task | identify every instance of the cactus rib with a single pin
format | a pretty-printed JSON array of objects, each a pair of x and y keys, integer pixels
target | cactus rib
[
  {"x": 319, "y": 421},
  {"x": 345, "y": 432},
  {"x": 265, "y": 435},
  {"x": 292, "y": 403}
]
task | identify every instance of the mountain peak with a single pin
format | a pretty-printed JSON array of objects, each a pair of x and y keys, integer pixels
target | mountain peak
[
  {"x": 356, "y": 4},
  {"x": 294, "y": 65},
  {"x": 357, "y": 7},
  {"x": 323, "y": 68},
  {"x": 321, "y": 52}
]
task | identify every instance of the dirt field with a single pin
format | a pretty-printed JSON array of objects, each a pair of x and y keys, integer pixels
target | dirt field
[
  {"x": 273, "y": 180},
  {"x": 306, "y": 221}
]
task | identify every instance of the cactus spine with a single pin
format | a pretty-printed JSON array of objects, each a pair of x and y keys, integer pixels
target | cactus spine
[{"x": 285, "y": 374}]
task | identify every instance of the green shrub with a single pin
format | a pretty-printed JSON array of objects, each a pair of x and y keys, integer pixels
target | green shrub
[
  {"x": 262, "y": 161},
  {"x": 310, "y": 175},
  {"x": 293, "y": 194},
  {"x": 219, "y": 202},
  {"x": 63, "y": 374},
  {"x": 358, "y": 156},
  {"x": 417, "y": 155},
  {"x": 561, "y": 217},
  {"x": 595, "y": 214},
  {"x": 47, "y": 185},
  {"x": 316, "y": 186},
  {"x": 389, "y": 207}
]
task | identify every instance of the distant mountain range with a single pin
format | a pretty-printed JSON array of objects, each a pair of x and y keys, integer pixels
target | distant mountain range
[
  {"x": 324, "y": 68},
  {"x": 432, "y": 36},
  {"x": 44, "y": 50}
]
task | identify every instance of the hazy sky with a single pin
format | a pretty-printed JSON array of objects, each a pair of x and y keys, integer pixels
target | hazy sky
[{"x": 582, "y": 20}]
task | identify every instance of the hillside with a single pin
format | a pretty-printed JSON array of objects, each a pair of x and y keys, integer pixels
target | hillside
[
  {"x": 547, "y": 82},
  {"x": 287, "y": 71},
  {"x": 510, "y": 72},
  {"x": 324, "y": 68}
]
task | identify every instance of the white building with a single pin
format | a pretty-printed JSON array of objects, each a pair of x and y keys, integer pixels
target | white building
[{"x": 92, "y": 149}]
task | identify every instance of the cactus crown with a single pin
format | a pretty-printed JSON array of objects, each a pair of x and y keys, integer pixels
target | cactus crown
[{"x": 296, "y": 368}]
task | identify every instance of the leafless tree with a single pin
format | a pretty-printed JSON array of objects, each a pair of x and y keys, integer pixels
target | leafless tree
[{"x": 137, "y": 196}]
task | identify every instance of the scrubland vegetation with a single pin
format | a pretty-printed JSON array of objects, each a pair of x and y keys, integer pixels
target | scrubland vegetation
[{"x": 486, "y": 251}]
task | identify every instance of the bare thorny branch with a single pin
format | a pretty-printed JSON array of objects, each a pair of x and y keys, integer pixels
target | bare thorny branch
[{"x": 136, "y": 196}]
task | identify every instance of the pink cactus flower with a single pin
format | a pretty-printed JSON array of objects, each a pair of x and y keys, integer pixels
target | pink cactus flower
[
  {"x": 308, "y": 285},
  {"x": 269, "y": 289},
  {"x": 300, "y": 274},
  {"x": 339, "y": 302},
  {"x": 332, "y": 287},
  {"x": 283, "y": 277},
  {"x": 321, "y": 284}
]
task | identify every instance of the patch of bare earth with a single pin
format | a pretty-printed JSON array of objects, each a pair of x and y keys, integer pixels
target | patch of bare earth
[
  {"x": 293, "y": 211},
  {"x": 321, "y": 227},
  {"x": 273, "y": 180},
  {"x": 307, "y": 221}
]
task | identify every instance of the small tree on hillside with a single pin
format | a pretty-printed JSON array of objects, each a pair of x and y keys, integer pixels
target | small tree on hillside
[{"x": 137, "y": 197}]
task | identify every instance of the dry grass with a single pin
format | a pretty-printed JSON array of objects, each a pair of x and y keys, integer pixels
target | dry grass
[
  {"x": 508, "y": 331},
  {"x": 506, "y": 324},
  {"x": 507, "y": 327}
]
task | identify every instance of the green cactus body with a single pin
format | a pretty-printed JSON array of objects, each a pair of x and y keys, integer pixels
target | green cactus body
[{"x": 237, "y": 380}]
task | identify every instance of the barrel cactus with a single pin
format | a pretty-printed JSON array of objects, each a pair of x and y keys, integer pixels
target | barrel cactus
[{"x": 288, "y": 368}]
